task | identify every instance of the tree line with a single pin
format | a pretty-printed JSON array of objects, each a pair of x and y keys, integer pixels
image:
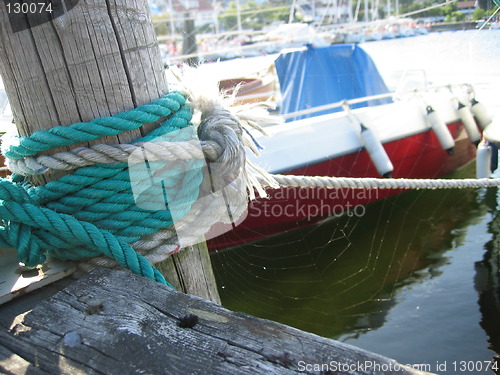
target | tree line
[{"x": 256, "y": 16}]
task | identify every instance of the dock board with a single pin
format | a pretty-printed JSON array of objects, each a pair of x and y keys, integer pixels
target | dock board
[
  {"x": 113, "y": 322},
  {"x": 15, "y": 280}
]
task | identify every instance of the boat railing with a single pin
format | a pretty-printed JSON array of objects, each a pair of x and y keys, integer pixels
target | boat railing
[
  {"x": 394, "y": 95},
  {"x": 339, "y": 104}
]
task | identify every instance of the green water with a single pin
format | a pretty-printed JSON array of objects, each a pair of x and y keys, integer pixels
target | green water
[
  {"x": 415, "y": 278},
  {"x": 380, "y": 280}
]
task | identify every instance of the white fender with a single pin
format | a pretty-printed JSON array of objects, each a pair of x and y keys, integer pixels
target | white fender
[
  {"x": 483, "y": 160},
  {"x": 469, "y": 124},
  {"x": 376, "y": 151},
  {"x": 441, "y": 130},
  {"x": 492, "y": 132},
  {"x": 480, "y": 113}
]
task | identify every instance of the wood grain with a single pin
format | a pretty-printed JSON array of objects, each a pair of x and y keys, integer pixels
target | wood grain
[
  {"x": 112, "y": 322},
  {"x": 98, "y": 59}
]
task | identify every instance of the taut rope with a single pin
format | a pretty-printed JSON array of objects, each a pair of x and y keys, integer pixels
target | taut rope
[{"x": 93, "y": 212}]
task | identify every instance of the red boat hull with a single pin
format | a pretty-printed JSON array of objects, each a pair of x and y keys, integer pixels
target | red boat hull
[{"x": 417, "y": 156}]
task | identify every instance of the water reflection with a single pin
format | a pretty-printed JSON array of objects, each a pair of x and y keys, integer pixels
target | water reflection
[
  {"x": 342, "y": 277},
  {"x": 487, "y": 281}
]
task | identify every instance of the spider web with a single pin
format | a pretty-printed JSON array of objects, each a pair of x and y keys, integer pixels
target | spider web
[
  {"x": 344, "y": 272},
  {"x": 410, "y": 266}
]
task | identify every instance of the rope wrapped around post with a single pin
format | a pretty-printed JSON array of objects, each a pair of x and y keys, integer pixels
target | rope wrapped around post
[{"x": 92, "y": 212}]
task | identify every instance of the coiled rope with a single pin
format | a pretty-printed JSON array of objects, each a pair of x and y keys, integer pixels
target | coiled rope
[
  {"x": 98, "y": 154},
  {"x": 92, "y": 213}
]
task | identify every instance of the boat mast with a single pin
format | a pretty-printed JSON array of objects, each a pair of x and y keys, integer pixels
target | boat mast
[
  {"x": 356, "y": 12},
  {"x": 215, "y": 7},
  {"x": 238, "y": 15},
  {"x": 292, "y": 11},
  {"x": 172, "y": 27},
  {"x": 376, "y": 4},
  {"x": 349, "y": 11}
]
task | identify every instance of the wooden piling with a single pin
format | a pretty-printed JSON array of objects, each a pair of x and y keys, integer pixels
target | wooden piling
[{"x": 98, "y": 59}]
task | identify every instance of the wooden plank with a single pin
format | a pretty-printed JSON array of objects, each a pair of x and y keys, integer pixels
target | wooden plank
[
  {"x": 113, "y": 322},
  {"x": 16, "y": 280},
  {"x": 11, "y": 363}
]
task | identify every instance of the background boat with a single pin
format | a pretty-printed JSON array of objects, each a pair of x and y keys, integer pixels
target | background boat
[
  {"x": 338, "y": 278},
  {"x": 323, "y": 138}
]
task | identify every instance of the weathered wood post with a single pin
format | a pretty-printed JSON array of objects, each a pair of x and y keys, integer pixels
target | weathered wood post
[{"x": 97, "y": 58}]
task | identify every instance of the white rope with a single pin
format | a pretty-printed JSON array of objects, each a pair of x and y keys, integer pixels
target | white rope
[
  {"x": 224, "y": 136},
  {"x": 107, "y": 154},
  {"x": 160, "y": 245},
  {"x": 381, "y": 183}
]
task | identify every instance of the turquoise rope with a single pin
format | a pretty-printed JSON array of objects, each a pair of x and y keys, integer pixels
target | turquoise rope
[
  {"x": 110, "y": 197},
  {"x": 92, "y": 211},
  {"x": 28, "y": 222},
  {"x": 89, "y": 131}
]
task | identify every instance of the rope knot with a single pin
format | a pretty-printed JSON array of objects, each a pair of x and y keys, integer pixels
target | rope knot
[
  {"x": 221, "y": 127},
  {"x": 136, "y": 202}
]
